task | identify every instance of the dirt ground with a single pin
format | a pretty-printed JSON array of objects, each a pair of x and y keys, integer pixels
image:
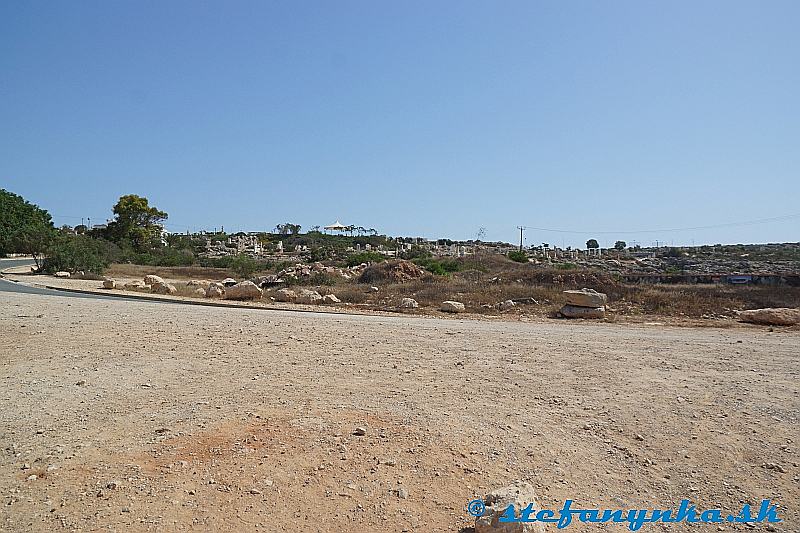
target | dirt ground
[{"x": 138, "y": 416}]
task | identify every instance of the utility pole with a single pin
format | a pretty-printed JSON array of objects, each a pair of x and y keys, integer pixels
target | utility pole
[{"x": 521, "y": 229}]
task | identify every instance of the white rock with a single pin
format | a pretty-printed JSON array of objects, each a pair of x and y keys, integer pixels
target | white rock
[
  {"x": 229, "y": 282},
  {"x": 586, "y": 298},
  {"x": 449, "y": 306},
  {"x": 519, "y": 494},
  {"x": 198, "y": 283},
  {"x": 163, "y": 288},
  {"x": 408, "y": 303},
  {"x": 506, "y": 305},
  {"x": 152, "y": 279},
  {"x": 573, "y": 311},
  {"x": 137, "y": 285},
  {"x": 306, "y": 296},
  {"x": 246, "y": 290},
  {"x": 330, "y": 299},
  {"x": 285, "y": 295},
  {"x": 772, "y": 316},
  {"x": 62, "y": 274},
  {"x": 374, "y": 289},
  {"x": 215, "y": 290}
]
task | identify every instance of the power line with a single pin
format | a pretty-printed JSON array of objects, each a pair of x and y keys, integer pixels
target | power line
[{"x": 783, "y": 218}]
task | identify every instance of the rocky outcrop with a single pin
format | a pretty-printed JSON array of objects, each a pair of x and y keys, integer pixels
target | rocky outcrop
[
  {"x": 450, "y": 306},
  {"x": 246, "y": 290},
  {"x": 771, "y": 316},
  {"x": 397, "y": 271},
  {"x": 330, "y": 299},
  {"x": 519, "y": 494}
]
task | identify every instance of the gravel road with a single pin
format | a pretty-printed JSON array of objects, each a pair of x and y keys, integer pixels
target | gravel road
[{"x": 129, "y": 416}]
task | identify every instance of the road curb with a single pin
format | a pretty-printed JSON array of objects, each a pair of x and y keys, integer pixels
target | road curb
[{"x": 143, "y": 298}]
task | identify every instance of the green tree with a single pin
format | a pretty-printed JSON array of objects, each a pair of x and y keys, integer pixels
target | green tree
[
  {"x": 518, "y": 255},
  {"x": 136, "y": 221},
  {"x": 288, "y": 228},
  {"x": 33, "y": 238},
  {"x": 620, "y": 245},
  {"x": 592, "y": 244},
  {"x": 18, "y": 215}
]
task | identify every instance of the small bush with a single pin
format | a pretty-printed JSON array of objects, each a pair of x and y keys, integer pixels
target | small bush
[
  {"x": 321, "y": 278},
  {"x": 244, "y": 265},
  {"x": 365, "y": 257},
  {"x": 79, "y": 252},
  {"x": 518, "y": 255},
  {"x": 440, "y": 267}
]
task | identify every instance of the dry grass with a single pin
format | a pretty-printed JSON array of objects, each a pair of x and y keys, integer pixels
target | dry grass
[
  {"x": 488, "y": 280},
  {"x": 190, "y": 272}
]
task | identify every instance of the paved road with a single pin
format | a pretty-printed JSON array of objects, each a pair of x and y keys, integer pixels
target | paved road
[{"x": 10, "y": 286}]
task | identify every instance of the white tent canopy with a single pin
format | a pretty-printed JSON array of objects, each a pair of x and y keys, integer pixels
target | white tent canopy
[{"x": 336, "y": 226}]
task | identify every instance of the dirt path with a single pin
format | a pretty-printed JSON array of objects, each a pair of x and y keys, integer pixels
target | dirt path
[{"x": 135, "y": 417}]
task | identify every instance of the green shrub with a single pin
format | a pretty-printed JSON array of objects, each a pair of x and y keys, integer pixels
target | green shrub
[
  {"x": 244, "y": 265},
  {"x": 365, "y": 257},
  {"x": 440, "y": 267},
  {"x": 321, "y": 278},
  {"x": 518, "y": 255},
  {"x": 79, "y": 252}
]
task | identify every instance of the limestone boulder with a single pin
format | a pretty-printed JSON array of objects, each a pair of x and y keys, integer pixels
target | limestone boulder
[
  {"x": 285, "y": 295},
  {"x": 307, "y": 296},
  {"x": 408, "y": 303},
  {"x": 450, "y": 306},
  {"x": 136, "y": 285},
  {"x": 574, "y": 311},
  {"x": 330, "y": 299},
  {"x": 771, "y": 316},
  {"x": 215, "y": 290},
  {"x": 585, "y": 298},
  {"x": 246, "y": 290},
  {"x": 506, "y": 305},
  {"x": 62, "y": 274},
  {"x": 152, "y": 279},
  {"x": 163, "y": 288}
]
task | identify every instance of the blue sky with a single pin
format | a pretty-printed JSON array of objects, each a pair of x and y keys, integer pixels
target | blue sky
[{"x": 415, "y": 118}]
